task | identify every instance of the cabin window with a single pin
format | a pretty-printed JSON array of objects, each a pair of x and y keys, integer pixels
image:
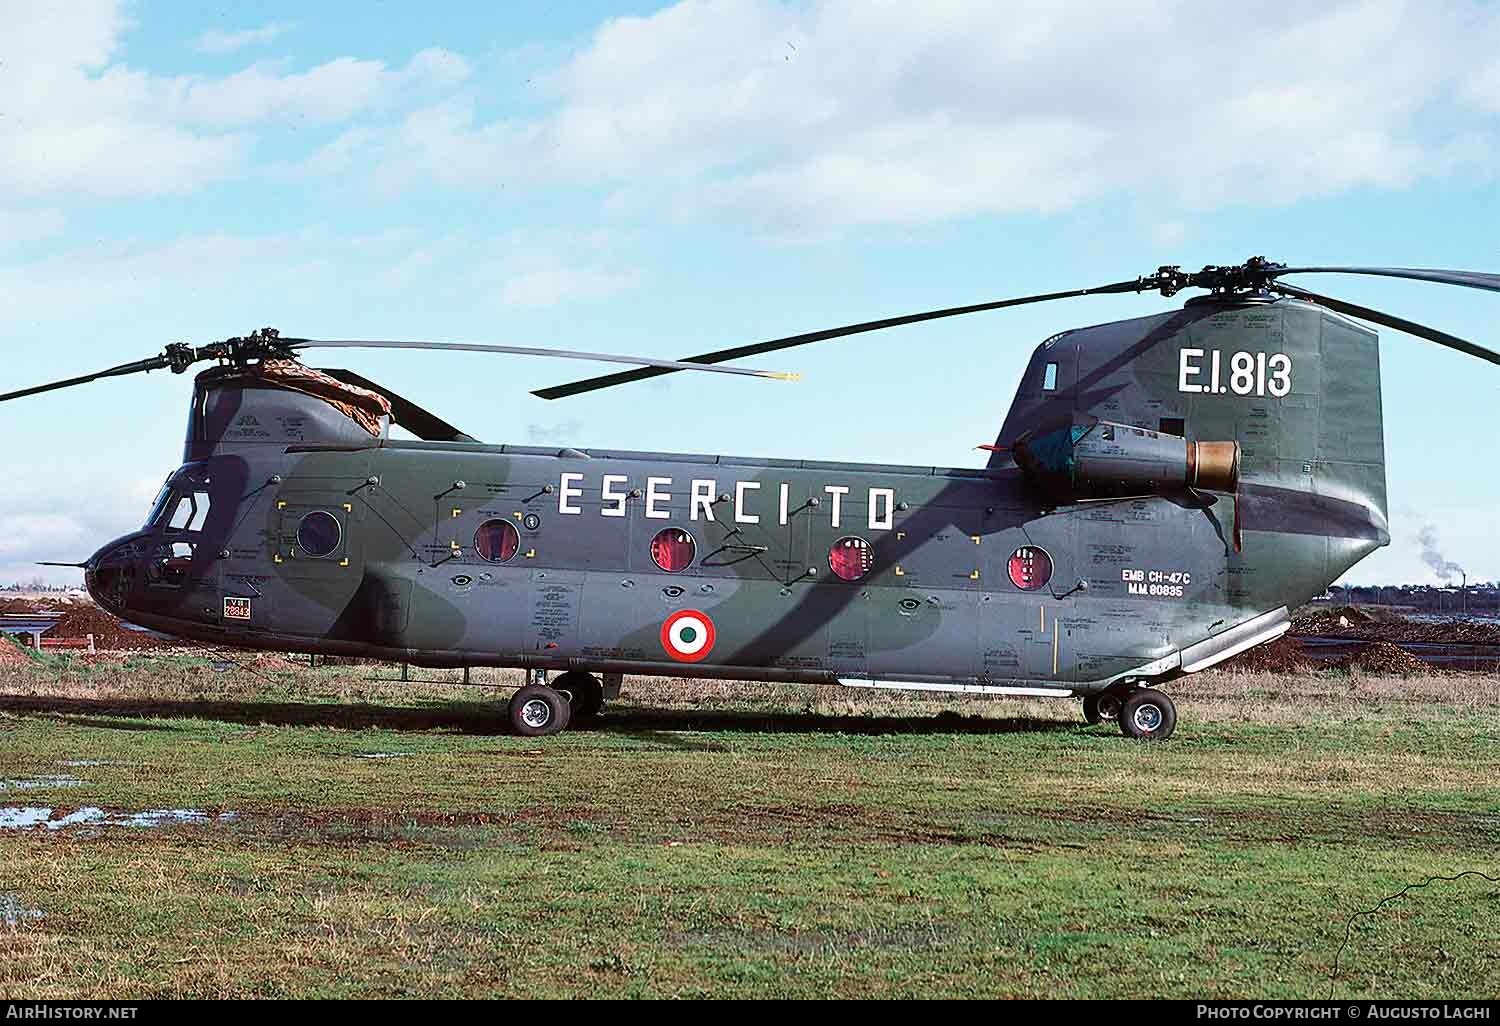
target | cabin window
[
  {"x": 673, "y": 549},
  {"x": 319, "y": 533},
  {"x": 1049, "y": 378},
  {"x": 851, "y": 558},
  {"x": 497, "y": 541},
  {"x": 1030, "y": 567}
]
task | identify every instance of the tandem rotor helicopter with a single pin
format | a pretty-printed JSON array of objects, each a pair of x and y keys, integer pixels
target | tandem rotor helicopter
[{"x": 1164, "y": 490}]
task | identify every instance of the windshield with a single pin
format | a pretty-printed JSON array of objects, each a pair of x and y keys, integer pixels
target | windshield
[
  {"x": 183, "y": 502},
  {"x": 160, "y": 503}
]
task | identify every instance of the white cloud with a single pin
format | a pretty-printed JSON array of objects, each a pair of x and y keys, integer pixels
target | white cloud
[
  {"x": 334, "y": 91},
  {"x": 552, "y": 285},
  {"x": 77, "y": 122},
  {"x": 855, "y": 112},
  {"x": 217, "y": 41},
  {"x": 250, "y": 277},
  {"x": 36, "y": 527}
]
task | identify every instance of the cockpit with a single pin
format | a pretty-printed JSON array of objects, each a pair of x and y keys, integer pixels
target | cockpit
[{"x": 176, "y": 521}]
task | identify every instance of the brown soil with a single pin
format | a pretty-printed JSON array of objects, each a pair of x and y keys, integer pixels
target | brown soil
[
  {"x": 33, "y": 604},
  {"x": 1349, "y": 622},
  {"x": 109, "y": 634},
  {"x": 1383, "y": 657},
  {"x": 1331, "y": 620},
  {"x": 1284, "y": 655},
  {"x": 10, "y": 655}
]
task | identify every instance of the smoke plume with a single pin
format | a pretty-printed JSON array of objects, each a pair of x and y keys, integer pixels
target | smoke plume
[{"x": 1433, "y": 556}]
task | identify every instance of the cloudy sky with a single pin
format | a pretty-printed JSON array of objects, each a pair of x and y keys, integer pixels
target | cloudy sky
[{"x": 661, "y": 180}]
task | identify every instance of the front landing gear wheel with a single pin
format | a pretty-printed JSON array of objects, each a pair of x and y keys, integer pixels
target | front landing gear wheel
[
  {"x": 537, "y": 710},
  {"x": 1103, "y": 706},
  {"x": 1148, "y": 715},
  {"x": 584, "y": 693}
]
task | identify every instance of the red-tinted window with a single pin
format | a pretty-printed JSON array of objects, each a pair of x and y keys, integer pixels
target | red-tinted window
[
  {"x": 673, "y": 549},
  {"x": 851, "y": 558},
  {"x": 497, "y": 541},
  {"x": 1030, "y": 567}
]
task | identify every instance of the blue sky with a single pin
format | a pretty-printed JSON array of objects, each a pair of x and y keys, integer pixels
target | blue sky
[{"x": 665, "y": 180}]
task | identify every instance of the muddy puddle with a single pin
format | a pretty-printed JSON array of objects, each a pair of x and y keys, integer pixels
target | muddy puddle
[
  {"x": 38, "y": 817},
  {"x": 13, "y": 913},
  {"x": 40, "y": 783}
]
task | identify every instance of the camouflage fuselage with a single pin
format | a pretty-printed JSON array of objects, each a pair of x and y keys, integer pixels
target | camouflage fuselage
[{"x": 1134, "y": 581}]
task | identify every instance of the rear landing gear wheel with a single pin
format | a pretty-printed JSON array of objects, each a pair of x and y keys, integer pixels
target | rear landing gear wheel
[
  {"x": 1148, "y": 715},
  {"x": 1103, "y": 706},
  {"x": 584, "y": 692},
  {"x": 537, "y": 710}
]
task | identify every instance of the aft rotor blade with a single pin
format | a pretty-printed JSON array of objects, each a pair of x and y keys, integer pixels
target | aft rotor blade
[
  {"x": 1468, "y": 279},
  {"x": 1364, "y": 313},
  {"x": 754, "y": 349},
  {"x": 662, "y": 366},
  {"x": 138, "y": 367}
]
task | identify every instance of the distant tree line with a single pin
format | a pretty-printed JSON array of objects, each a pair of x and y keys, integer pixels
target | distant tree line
[{"x": 1476, "y": 598}]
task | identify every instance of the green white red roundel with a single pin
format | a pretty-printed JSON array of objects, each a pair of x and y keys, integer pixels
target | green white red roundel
[{"x": 688, "y": 635}]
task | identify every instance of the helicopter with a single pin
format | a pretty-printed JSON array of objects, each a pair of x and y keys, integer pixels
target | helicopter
[{"x": 1163, "y": 491}]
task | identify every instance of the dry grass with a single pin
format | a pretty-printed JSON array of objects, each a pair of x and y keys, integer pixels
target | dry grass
[
  {"x": 726, "y": 839},
  {"x": 1229, "y": 696}
]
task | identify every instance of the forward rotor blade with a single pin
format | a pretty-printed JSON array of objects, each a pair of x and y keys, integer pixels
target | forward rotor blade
[
  {"x": 1364, "y": 313},
  {"x": 140, "y": 366},
  {"x": 1468, "y": 279},
  {"x": 565, "y": 354},
  {"x": 720, "y": 355}
]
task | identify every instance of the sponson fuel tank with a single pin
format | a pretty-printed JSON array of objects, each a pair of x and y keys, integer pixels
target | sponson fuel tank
[{"x": 1090, "y": 458}]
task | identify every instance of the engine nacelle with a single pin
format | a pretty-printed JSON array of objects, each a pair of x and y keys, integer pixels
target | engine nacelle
[{"x": 1100, "y": 459}]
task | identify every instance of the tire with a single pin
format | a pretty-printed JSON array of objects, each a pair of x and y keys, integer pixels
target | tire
[
  {"x": 536, "y": 711},
  {"x": 1102, "y": 706},
  {"x": 584, "y": 693},
  {"x": 1148, "y": 715}
]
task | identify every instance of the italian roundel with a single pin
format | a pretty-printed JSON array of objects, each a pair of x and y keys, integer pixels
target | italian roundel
[{"x": 687, "y": 635}]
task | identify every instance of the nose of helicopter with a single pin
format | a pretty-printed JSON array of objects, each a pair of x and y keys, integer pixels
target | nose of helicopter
[{"x": 109, "y": 572}]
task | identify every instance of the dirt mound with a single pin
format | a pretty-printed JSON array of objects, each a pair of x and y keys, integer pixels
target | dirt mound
[
  {"x": 109, "y": 633},
  {"x": 40, "y": 603},
  {"x": 1332, "y": 620},
  {"x": 1349, "y": 622},
  {"x": 1383, "y": 657},
  {"x": 266, "y": 662},
  {"x": 10, "y": 654},
  {"x": 1284, "y": 655}
]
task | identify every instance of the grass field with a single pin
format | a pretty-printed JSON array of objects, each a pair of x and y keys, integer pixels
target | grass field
[{"x": 342, "y": 836}]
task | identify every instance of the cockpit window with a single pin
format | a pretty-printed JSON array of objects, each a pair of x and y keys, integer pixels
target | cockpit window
[
  {"x": 182, "y": 504},
  {"x": 191, "y": 512},
  {"x": 159, "y": 507}
]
